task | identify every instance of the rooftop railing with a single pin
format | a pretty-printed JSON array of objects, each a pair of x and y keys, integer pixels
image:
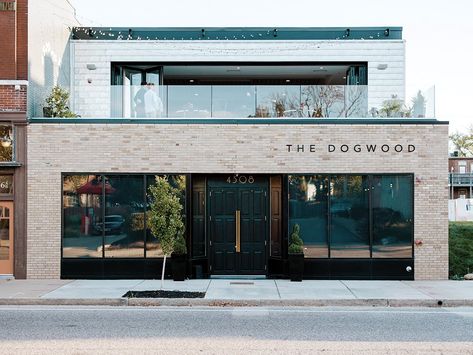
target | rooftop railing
[{"x": 242, "y": 101}]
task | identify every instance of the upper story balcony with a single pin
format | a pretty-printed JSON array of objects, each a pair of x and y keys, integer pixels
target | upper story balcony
[{"x": 461, "y": 179}]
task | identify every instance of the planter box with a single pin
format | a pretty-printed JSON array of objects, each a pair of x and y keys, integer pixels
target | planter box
[
  {"x": 296, "y": 266},
  {"x": 179, "y": 267}
]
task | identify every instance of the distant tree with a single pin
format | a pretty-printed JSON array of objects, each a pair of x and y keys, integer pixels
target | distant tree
[{"x": 463, "y": 142}]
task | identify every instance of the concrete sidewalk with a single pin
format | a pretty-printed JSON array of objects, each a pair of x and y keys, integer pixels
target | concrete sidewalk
[{"x": 241, "y": 292}]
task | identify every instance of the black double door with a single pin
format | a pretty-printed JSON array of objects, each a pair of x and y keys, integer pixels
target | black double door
[{"x": 238, "y": 226}]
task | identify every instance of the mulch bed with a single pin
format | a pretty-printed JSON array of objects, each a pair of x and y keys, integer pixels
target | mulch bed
[{"x": 163, "y": 294}]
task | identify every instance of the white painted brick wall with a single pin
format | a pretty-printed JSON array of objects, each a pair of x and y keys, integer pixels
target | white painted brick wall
[{"x": 382, "y": 83}]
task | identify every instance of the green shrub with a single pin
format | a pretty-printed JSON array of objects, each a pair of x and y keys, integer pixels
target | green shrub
[
  {"x": 295, "y": 241},
  {"x": 460, "y": 249},
  {"x": 57, "y": 103},
  {"x": 180, "y": 245}
]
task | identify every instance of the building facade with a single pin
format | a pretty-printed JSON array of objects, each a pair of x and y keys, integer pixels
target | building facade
[
  {"x": 256, "y": 131},
  {"x": 13, "y": 121}
]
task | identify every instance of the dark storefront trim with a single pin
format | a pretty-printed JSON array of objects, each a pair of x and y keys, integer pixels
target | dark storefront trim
[{"x": 198, "y": 262}]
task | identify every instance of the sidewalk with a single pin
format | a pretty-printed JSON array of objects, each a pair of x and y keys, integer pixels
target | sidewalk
[{"x": 241, "y": 293}]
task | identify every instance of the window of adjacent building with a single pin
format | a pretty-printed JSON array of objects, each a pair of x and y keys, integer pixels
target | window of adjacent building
[
  {"x": 6, "y": 143},
  {"x": 105, "y": 215}
]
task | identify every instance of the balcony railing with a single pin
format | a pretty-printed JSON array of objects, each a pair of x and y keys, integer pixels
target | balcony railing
[
  {"x": 242, "y": 101},
  {"x": 461, "y": 179}
]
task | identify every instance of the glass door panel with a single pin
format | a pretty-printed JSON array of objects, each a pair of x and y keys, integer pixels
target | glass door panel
[
  {"x": 6, "y": 238},
  {"x": 133, "y": 93}
]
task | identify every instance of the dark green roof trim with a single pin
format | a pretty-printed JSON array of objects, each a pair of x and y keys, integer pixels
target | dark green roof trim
[
  {"x": 236, "y": 33},
  {"x": 244, "y": 121}
]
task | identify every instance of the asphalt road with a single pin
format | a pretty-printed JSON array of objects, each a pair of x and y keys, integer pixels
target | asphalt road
[{"x": 78, "y": 330}]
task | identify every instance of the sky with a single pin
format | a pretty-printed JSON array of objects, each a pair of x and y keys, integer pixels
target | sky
[{"x": 438, "y": 33}]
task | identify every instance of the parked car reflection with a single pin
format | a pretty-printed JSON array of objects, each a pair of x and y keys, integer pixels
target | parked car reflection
[{"x": 113, "y": 225}]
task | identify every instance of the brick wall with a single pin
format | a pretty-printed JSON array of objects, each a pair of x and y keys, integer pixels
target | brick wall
[
  {"x": 14, "y": 42},
  {"x": 13, "y": 99},
  {"x": 200, "y": 148}
]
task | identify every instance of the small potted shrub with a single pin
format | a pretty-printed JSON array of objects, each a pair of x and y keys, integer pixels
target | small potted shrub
[
  {"x": 179, "y": 259},
  {"x": 57, "y": 104},
  {"x": 296, "y": 255}
]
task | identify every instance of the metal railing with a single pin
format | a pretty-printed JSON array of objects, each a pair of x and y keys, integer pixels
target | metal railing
[{"x": 460, "y": 179}]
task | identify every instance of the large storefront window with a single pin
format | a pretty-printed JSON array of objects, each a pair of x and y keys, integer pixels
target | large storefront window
[
  {"x": 349, "y": 217},
  {"x": 105, "y": 215},
  {"x": 392, "y": 216},
  {"x": 308, "y": 209},
  {"x": 353, "y": 216}
]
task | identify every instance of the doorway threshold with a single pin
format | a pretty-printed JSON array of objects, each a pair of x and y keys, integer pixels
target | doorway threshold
[{"x": 238, "y": 277}]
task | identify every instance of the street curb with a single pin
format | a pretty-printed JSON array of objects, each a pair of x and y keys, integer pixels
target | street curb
[{"x": 202, "y": 302}]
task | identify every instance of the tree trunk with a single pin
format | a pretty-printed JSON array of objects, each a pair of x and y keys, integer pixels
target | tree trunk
[{"x": 162, "y": 273}]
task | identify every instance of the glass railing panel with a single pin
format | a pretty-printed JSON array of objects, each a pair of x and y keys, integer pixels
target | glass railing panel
[
  {"x": 189, "y": 101},
  {"x": 246, "y": 101},
  {"x": 278, "y": 101},
  {"x": 323, "y": 101},
  {"x": 233, "y": 101}
]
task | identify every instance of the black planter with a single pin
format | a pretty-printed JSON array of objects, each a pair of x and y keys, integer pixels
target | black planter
[
  {"x": 47, "y": 111},
  {"x": 296, "y": 266},
  {"x": 179, "y": 267}
]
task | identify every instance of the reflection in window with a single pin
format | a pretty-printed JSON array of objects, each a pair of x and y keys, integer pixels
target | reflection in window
[
  {"x": 123, "y": 224},
  {"x": 233, "y": 101},
  {"x": 178, "y": 182},
  {"x": 6, "y": 143},
  {"x": 349, "y": 216},
  {"x": 308, "y": 195},
  {"x": 392, "y": 216},
  {"x": 113, "y": 228},
  {"x": 189, "y": 101},
  {"x": 82, "y": 203},
  {"x": 278, "y": 101}
]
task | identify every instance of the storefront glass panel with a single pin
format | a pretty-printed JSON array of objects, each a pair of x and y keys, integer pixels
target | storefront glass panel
[
  {"x": 6, "y": 143},
  {"x": 349, "y": 216},
  {"x": 308, "y": 198},
  {"x": 124, "y": 217},
  {"x": 392, "y": 205},
  {"x": 82, "y": 208}
]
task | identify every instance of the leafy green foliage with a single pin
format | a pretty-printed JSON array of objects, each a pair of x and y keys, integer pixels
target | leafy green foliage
[
  {"x": 463, "y": 142},
  {"x": 180, "y": 246},
  {"x": 394, "y": 107},
  {"x": 460, "y": 249},
  {"x": 57, "y": 103},
  {"x": 295, "y": 241},
  {"x": 165, "y": 218}
]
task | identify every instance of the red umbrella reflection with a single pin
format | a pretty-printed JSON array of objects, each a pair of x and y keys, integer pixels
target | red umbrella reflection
[{"x": 94, "y": 187}]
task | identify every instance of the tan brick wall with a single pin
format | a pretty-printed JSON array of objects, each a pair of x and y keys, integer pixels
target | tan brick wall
[{"x": 200, "y": 148}]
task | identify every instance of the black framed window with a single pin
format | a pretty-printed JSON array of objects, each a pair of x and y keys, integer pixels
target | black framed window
[
  {"x": 353, "y": 216},
  {"x": 393, "y": 216},
  {"x": 105, "y": 215},
  {"x": 308, "y": 208}
]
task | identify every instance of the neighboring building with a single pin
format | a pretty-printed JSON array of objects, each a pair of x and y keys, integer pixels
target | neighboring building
[
  {"x": 460, "y": 177},
  {"x": 34, "y": 48},
  {"x": 13, "y": 91},
  {"x": 460, "y": 184},
  {"x": 257, "y": 130}
]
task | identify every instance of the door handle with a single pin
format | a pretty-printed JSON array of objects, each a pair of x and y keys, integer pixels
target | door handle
[{"x": 237, "y": 231}]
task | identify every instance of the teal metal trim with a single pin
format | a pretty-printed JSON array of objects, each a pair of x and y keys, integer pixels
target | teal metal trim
[
  {"x": 236, "y": 33},
  {"x": 10, "y": 164},
  {"x": 243, "y": 121}
]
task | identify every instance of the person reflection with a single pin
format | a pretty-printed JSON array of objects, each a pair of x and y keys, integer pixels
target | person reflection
[
  {"x": 139, "y": 100},
  {"x": 153, "y": 103}
]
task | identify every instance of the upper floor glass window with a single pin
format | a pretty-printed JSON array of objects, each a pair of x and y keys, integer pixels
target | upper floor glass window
[{"x": 6, "y": 143}]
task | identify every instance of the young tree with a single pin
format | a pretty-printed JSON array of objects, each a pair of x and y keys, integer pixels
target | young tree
[
  {"x": 463, "y": 142},
  {"x": 165, "y": 217}
]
